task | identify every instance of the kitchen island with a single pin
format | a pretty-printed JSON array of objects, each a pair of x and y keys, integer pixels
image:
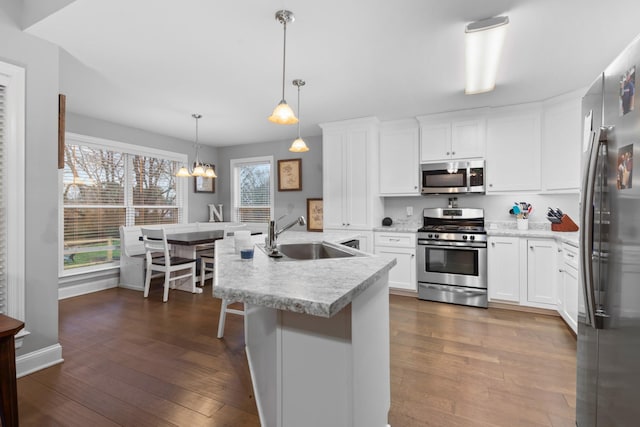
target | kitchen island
[{"x": 316, "y": 333}]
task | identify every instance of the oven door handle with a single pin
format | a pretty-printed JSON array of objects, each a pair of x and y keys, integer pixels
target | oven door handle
[
  {"x": 451, "y": 245},
  {"x": 456, "y": 289}
]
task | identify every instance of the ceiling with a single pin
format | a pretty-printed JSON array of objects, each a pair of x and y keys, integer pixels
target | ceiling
[{"x": 150, "y": 64}]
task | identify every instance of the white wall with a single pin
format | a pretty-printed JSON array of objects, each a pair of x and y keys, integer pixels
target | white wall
[
  {"x": 40, "y": 59},
  {"x": 290, "y": 203},
  {"x": 496, "y": 206}
]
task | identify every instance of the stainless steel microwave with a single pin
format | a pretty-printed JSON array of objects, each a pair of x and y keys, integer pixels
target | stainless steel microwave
[{"x": 454, "y": 177}]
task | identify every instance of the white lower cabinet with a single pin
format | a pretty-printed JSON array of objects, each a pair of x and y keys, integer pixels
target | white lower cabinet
[
  {"x": 402, "y": 247},
  {"x": 522, "y": 271},
  {"x": 541, "y": 272},
  {"x": 568, "y": 286},
  {"x": 503, "y": 269}
]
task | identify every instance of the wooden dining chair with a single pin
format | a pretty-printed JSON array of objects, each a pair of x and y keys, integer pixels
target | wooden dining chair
[{"x": 155, "y": 240}]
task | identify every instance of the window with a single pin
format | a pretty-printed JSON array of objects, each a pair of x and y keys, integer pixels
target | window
[
  {"x": 252, "y": 189},
  {"x": 12, "y": 192},
  {"x": 106, "y": 184}
]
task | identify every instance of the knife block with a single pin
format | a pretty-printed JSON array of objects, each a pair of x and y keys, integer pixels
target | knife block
[{"x": 567, "y": 224}]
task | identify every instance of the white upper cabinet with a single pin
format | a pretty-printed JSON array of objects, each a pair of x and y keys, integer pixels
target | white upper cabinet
[
  {"x": 448, "y": 136},
  {"x": 513, "y": 149},
  {"x": 399, "y": 158},
  {"x": 561, "y": 124},
  {"x": 349, "y": 174}
]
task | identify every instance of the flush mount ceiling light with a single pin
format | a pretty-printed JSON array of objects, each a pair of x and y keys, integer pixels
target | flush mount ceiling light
[
  {"x": 298, "y": 146},
  {"x": 283, "y": 114},
  {"x": 483, "y": 46},
  {"x": 199, "y": 169}
]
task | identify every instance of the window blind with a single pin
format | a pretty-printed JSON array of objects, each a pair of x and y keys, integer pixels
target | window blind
[
  {"x": 252, "y": 191},
  {"x": 3, "y": 215},
  {"x": 104, "y": 188}
]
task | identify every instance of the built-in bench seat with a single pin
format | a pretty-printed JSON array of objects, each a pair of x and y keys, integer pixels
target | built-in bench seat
[{"x": 132, "y": 253}]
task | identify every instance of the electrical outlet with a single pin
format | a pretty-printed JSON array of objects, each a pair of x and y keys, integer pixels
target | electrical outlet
[{"x": 409, "y": 210}]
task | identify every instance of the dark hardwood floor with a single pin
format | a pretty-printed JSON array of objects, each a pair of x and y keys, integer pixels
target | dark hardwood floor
[{"x": 138, "y": 362}]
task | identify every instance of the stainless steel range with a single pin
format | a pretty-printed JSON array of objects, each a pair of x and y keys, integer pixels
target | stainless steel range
[{"x": 452, "y": 256}]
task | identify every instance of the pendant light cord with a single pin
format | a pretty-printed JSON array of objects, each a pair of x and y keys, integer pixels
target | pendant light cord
[
  {"x": 197, "y": 116},
  {"x": 298, "y": 111},
  {"x": 284, "y": 56}
]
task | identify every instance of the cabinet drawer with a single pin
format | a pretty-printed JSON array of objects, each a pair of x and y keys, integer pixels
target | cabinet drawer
[
  {"x": 570, "y": 256},
  {"x": 400, "y": 240}
]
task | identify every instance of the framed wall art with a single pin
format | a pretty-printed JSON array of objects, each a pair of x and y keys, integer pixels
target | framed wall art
[
  {"x": 203, "y": 184},
  {"x": 314, "y": 215},
  {"x": 290, "y": 175}
]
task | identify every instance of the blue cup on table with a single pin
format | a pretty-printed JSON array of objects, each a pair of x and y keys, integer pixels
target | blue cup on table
[{"x": 246, "y": 253}]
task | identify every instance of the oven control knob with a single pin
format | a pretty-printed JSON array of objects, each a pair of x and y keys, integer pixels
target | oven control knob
[
  {"x": 436, "y": 236},
  {"x": 429, "y": 236},
  {"x": 464, "y": 237},
  {"x": 472, "y": 237}
]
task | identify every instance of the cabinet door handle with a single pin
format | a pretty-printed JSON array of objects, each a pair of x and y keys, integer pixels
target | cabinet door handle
[
  {"x": 413, "y": 255},
  {"x": 453, "y": 153},
  {"x": 394, "y": 240},
  {"x": 531, "y": 247},
  {"x": 447, "y": 153},
  {"x": 560, "y": 270},
  {"x": 415, "y": 187},
  {"x": 490, "y": 185},
  {"x": 493, "y": 244}
]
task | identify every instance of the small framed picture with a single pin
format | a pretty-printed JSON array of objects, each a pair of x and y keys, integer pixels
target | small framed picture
[
  {"x": 314, "y": 215},
  {"x": 290, "y": 175},
  {"x": 204, "y": 184}
]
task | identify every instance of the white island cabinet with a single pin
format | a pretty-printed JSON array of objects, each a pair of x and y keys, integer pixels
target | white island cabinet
[{"x": 316, "y": 334}]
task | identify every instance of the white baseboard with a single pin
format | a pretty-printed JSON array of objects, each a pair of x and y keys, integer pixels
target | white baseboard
[
  {"x": 39, "y": 359},
  {"x": 87, "y": 288},
  {"x": 131, "y": 287}
]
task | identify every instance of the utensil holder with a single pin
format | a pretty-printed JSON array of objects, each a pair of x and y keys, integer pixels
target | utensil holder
[
  {"x": 567, "y": 224},
  {"x": 522, "y": 223}
]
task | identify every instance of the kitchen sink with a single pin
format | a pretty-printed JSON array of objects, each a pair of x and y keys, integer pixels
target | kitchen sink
[{"x": 313, "y": 250}]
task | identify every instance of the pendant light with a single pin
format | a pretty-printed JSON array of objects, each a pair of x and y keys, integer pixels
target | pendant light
[
  {"x": 199, "y": 169},
  {"x": 283, "y": 114},
  {"x": 298, "y": 146}
]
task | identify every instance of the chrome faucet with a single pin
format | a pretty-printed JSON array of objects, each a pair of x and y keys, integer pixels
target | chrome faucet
[{"x": 272, "y": 237}]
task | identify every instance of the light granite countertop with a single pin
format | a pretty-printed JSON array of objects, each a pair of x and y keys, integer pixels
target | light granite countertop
[
  {"x": 535, "y": 230},
  {"x": 317, "y": 287},
  {"x": 397, "y": 228}
]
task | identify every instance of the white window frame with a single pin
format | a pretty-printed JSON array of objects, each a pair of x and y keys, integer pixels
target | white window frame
[
  {"x": 235, "y": 189},
  {"x": 181, "y": 186},
  {"x": 13, "y": 78}
]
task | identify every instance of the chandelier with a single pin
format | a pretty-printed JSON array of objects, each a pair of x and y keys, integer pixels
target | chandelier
[{"x": 199, "y": 169}]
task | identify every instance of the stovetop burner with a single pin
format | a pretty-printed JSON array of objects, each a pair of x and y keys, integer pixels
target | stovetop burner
[
  {"x": 453, "y": 229},
  {"x": 453, "y": 224}
]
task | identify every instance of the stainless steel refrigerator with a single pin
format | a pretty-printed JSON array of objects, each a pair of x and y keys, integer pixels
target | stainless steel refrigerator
[{"x": 608, "y": 360}]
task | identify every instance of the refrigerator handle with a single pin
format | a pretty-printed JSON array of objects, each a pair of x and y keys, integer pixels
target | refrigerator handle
[{"x": 598, "y": 138}]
